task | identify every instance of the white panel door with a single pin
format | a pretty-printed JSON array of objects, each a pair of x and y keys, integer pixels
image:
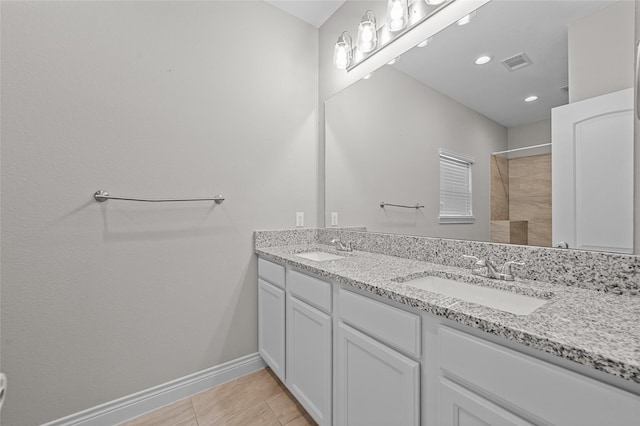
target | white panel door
[
  {"x": 376, "y": 386},
  {"x": 592, "y": 169},
  {"x": 271, "y": 335},
  {"x": 460, "y": 407},
  {"x": 309, "y": 358}
]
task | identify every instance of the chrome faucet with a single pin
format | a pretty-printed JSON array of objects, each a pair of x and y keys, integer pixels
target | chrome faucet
[
  {"x": 506, "y": 272},
  {"x": 340, "y": 246},
  {"x": 486, "y": 268}
]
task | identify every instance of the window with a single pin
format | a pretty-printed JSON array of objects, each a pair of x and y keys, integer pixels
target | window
[{"x": 455, "y": 188}]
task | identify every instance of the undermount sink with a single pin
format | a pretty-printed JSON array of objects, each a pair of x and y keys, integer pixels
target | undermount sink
[
  {"x": 319, "y": 256},
  {"x": 503, "y": 300}
]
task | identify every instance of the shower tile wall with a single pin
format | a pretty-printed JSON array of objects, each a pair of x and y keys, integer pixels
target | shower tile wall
[
  {"x": 530, "y": 196},
  {"x": 521, "y": 200}
]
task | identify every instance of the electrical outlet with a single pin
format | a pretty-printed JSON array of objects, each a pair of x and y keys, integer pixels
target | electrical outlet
[
  {"x": 299, "y": 218},
  {"x": 334, "y": 218}
]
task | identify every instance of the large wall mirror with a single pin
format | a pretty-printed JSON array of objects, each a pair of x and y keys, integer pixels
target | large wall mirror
[{"x": 493, "y": 131}]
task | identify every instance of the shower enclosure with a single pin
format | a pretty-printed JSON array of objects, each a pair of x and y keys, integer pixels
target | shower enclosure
[{"x": 521, "y": 196}]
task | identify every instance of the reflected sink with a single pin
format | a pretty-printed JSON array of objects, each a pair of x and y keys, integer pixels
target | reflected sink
[
  {"x": 319, "y": 256},
  {"x": 503, "y": 300}
]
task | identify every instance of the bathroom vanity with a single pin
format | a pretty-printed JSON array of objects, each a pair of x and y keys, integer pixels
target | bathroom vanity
[{"x": 358, "y": 344}]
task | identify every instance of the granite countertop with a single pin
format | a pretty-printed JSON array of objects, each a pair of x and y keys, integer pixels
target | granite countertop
[{"x": 599, "y": 330}]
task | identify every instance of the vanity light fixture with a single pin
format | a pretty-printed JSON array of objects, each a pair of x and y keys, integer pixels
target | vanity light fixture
[
  {"x": 481, "y": 60},
  {"x": 342, "y": 51},
  {"x": 402, "y": 16},
  {"x": 397, "y": 15},
  {"x": 466, "y": 19},
  {"x": 531, "y": 98},
  {"x": 367, "y": 32}
]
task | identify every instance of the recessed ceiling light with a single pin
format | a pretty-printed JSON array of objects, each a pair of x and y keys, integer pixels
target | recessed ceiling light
[
  {"x": 424, "y": 43},
  {"x": 393, "y": 61},
  {"x": 483, "y": 60},
  {"x": 368, "y": 76},
  {"x": 466, "y": 19},
  {"x": 435, "y": 2},
  {"x": 531, "y": 98}
]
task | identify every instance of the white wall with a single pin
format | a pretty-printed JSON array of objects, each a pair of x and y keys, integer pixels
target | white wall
[
  {"x": 145, "y": 99},
  {"x": 602, "y": 61},
  {"x": 382, "y": 141}
]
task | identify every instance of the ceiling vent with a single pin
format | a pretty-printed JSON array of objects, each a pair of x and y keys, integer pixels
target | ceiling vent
[{"x": 516, "y": 62}]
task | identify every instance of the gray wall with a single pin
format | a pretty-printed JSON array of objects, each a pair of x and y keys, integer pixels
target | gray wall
[
  {"x": 636, "y": 163},
  {"x": 346, "y": 18},
  {"x": 382, "y": 141},
  {"x": 602, "y": 61},
  {"x": 536, "y": 133},
  {"x": 144, "y": 99}
]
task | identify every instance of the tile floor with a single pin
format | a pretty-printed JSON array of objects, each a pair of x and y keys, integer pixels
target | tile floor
[{"x": 257, "y": 399}]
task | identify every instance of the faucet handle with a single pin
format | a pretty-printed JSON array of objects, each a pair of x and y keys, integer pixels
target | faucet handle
[
  {"x": 506, "y": 268},
  {"x": 476, "y": 262}
]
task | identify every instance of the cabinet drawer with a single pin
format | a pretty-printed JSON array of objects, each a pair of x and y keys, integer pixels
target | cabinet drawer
[
  {"x": 309, "y": 289},
  {"x": 460, "y": 407},
  {"x": 549, "y": 392},
  {"x": 393, "y": 326},
  {"x": 271, "y": 272}
]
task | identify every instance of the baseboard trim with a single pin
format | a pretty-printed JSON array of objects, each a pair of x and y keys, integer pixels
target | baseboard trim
[{"x": 142, "y": 402}]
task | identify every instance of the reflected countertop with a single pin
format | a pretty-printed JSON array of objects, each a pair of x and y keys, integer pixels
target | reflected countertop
[{"x": 598, "y": 330}]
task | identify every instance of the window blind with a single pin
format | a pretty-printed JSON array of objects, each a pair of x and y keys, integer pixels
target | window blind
[{"x": 455, "y": 188}]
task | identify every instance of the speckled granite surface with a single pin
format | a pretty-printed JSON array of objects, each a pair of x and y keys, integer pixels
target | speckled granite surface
[
  {"x": 595, "y": 329},
  {"x": 283, "y": 237},
  {"x": 606, "y": 272}
]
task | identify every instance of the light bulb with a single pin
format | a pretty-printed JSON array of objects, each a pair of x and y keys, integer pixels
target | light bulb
[
  {"x": 367, "y": 32},
  {"x": 342, "y": 51},
  {"x": 397, "y": 14}
]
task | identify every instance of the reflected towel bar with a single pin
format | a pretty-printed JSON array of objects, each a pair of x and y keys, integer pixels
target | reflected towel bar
[
  {"x": 417, "y": 206},
  {"x": 101, "y": 196}
]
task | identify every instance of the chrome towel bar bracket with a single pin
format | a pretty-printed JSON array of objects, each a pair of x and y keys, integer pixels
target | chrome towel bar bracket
[{"x": 102, "y": 196}]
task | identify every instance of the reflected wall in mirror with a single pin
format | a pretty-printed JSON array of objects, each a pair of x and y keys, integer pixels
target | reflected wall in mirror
[{"x": 384, "y": 134}]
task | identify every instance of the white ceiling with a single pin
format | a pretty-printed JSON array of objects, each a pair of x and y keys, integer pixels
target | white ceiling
[
  {"x": 315, "y": 12},
  {"x": 500, "y": 29},
  {"x": 503, "y": 29}
]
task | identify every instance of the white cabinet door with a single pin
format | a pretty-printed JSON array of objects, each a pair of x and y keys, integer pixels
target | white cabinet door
[
  {"x": 376, "y": 386},
  {"x": 460, "y": 407},
  {"x": 309, "y": 358},
  {"x": 271, "y": 302},
  {"x": 592, "y": 169}
]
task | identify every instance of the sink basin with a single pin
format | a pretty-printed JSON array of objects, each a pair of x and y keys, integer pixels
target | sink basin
[
  {"x": 319, "y": 256},
  {"x": 503, "y": 300}
]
